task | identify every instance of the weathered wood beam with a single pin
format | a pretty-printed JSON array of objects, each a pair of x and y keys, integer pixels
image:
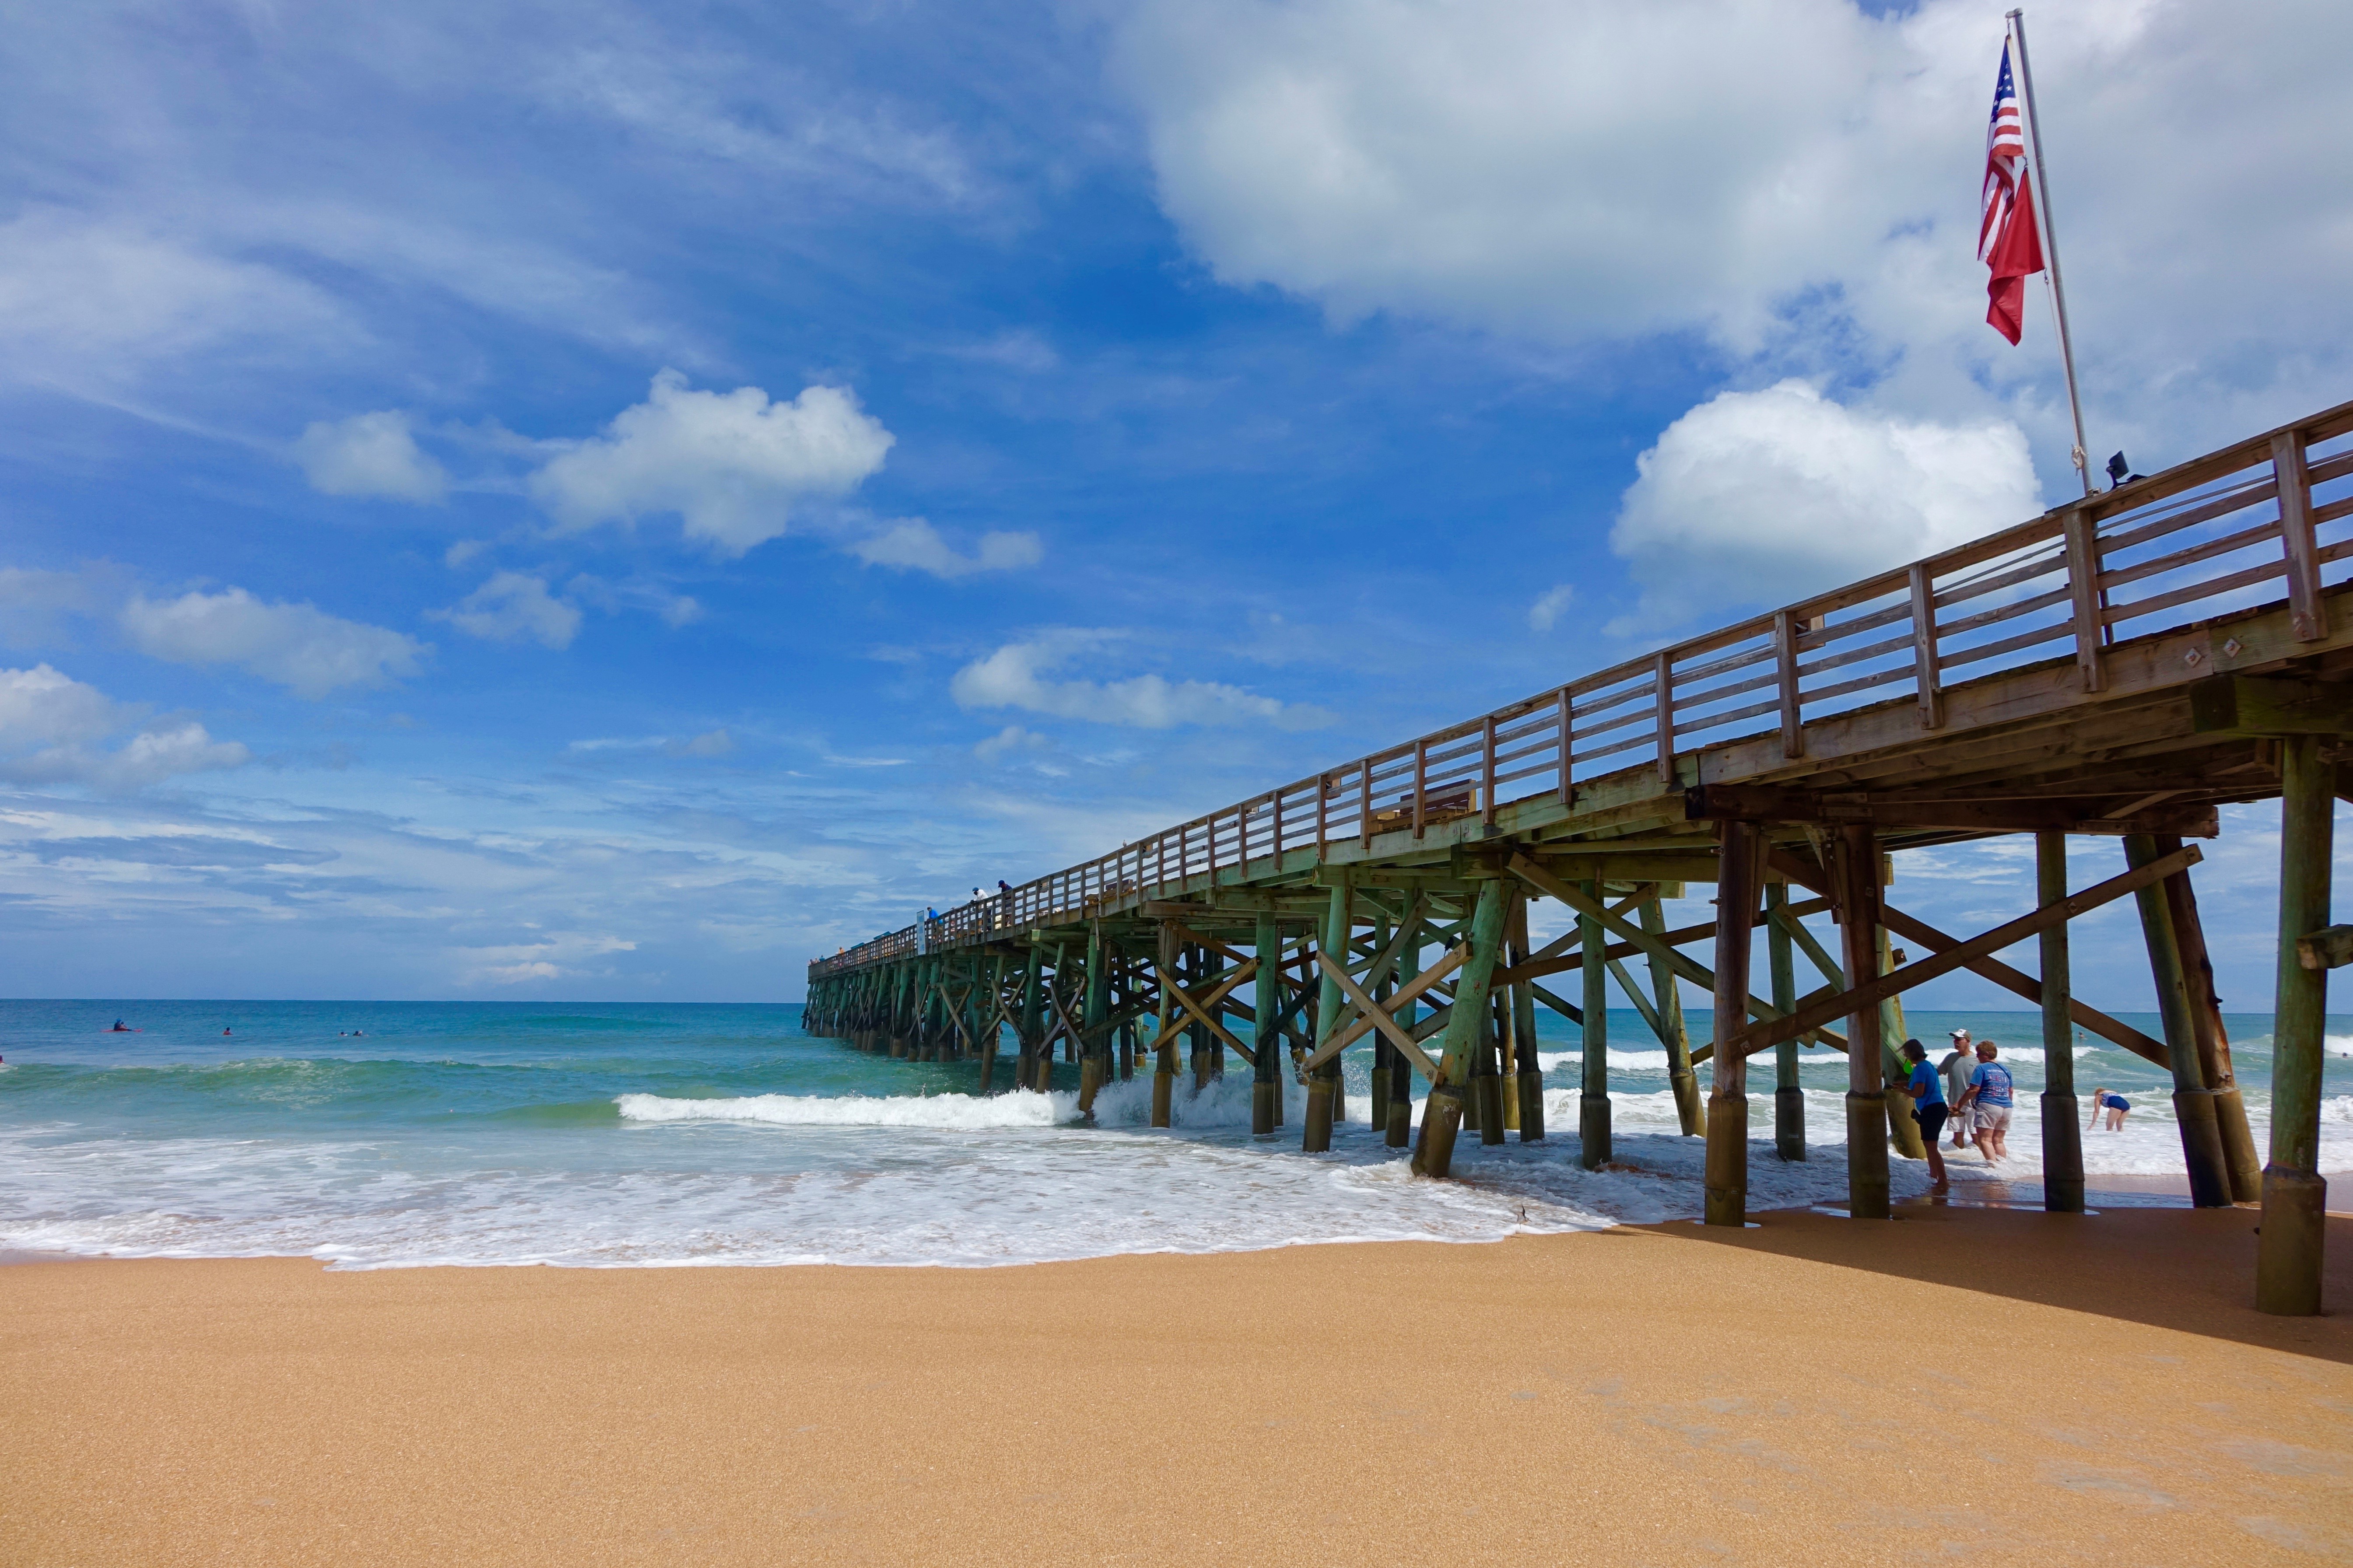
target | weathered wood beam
[
  {"x": 2270, "y": 705},
  {"x": 1772, "y": 1031},
  {"x": 1357, "y": 1029},
  {"x": 1769, "y": 804},
  {"x": 1913, "y": 929},
  {"x": 1652, "y": 946},
  {"x": 2330, "y": 947},
  {"x": 1379, "y": 1016}
]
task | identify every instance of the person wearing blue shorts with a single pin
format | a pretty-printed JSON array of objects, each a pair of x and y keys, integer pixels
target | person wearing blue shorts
[
  {"x": 2108, "y": 1104},
  {"x": 1929, "y": 1108}
]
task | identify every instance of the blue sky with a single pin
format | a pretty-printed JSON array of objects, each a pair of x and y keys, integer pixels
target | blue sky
[{"x": 608, "y": 501}]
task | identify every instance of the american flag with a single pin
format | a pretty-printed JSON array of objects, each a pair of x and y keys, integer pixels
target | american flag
[{"x": 2007, "y": 241}]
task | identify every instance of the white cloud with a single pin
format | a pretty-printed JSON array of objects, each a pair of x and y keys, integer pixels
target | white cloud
[
  {"x": 638, "y": 592},
  {"x": 1010, "y": 738},
  {"x": 915, "y": 544},
  {"x": 460, "y": 555},
  {"x": 51, "y": 724},
  {"x": 511, "y": 607},
  {"x": 553, "y": 958},
  {"x": 732, "y": 465},
  {"x": 1796, "y": 182},
  {"x": 1760, "y": 497},
  {"x": 710, "y": 743},
  {"x": 370, "y": 455},
  {"x": 1015, "y": 676},
  {"x": 1545, "y": 613},
  {"x": 90, "y": 303},
  {"x": 299, "y": 646}
]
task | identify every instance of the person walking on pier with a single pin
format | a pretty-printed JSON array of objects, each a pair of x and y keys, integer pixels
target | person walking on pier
[
  {"x": 1989, "y": 1103},
  {"x": 1956, "y": 1068},
  {"x": 1929, "y": 1108},
  {"x": 2108, "y": 1104}
]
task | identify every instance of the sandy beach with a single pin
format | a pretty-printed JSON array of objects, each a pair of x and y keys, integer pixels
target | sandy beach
[{"x": 2055, "y": 1389}]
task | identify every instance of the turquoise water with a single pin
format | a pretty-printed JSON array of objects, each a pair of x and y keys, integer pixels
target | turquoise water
[{"x": 373, "y": 1133}]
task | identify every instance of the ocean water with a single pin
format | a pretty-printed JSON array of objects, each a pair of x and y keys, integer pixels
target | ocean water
[{"x": 373, "y": 1134}]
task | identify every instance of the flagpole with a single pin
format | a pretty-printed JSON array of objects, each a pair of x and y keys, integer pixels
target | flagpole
[{"x": 2051, "y": 247}]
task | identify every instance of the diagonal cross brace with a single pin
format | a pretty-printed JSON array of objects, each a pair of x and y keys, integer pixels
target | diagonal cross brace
[
  {"x": 1356, "y": 1029},
  {"x": 1653, "y": 946},
  {"x": 1758, "y": 1036},
  {"x": 1379, "y": 1015},
  {"x": 2110, "y": 1029}
]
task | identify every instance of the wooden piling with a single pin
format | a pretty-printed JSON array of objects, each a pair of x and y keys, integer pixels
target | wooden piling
[
  {"x": 2295, "y": 1196},
  {"x": 1266, "y": 1085},
  {"x": 986, "y": 1001},
  {"x": 1487, "y": 1073},
  {"x": 2240, "y": 1160},
  {"x": 2063, "y": 1136},
  {"x": 1667, "y": 993},
  {"x": 1903, "y": 1126},
  {"x": 1789, "y": 1094},
  {"x": 1093, "y": 1023},
  {"x": 1376, "y": 1085},
  {"x": 1867, "y": 1094},
  {"x": 2193, "y": 1103},
  {"x": 1164, "y": 1070},
  {"x": 1593, "y": 1081},
  {"x": 1524, "y": 1031},
  {"x": 1441, "y": 1113},
  {"x": 1398, "y": 1131},
  {"x": 1727, "y": 1196},
  {"x": 1324, "y": 1083}
]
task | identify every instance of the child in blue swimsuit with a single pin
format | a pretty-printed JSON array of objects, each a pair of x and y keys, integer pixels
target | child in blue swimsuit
[{"x": 2109, "y": 1103}]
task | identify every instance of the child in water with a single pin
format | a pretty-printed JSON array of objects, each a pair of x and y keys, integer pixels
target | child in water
[{"x": 2109, "y": 1103}]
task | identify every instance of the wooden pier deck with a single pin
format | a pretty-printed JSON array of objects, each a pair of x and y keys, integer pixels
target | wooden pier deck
[{"x": 2119, "y": 667}]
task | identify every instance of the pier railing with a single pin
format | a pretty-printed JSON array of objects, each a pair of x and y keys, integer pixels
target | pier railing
[{"x": 2223, "y": 533}]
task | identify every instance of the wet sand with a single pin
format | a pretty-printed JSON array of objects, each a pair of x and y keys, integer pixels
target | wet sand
[{"x": 1664, "y": 1394}]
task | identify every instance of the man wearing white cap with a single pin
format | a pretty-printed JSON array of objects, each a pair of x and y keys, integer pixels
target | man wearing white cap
[{"x": 1955, "y": 1069}]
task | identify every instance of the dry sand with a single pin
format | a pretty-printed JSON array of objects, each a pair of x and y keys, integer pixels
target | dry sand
[{"x": 2051, "y": 1389}]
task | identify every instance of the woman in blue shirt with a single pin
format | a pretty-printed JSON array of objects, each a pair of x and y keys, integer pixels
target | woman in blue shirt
[{"x": 1929, "y": 1108}]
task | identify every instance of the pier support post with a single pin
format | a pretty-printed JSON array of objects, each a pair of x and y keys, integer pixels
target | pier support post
[
  {"x": 2062, "y": 1138},
  {"x": 2193, "y": 1103},
  {"x": 1726, "y": 1196},
  {"x": 1164, "y": 1068},
  {"x": 2295, "y": 1196},
  {"x": 1095, "y": 1022},
  {"x": 1524, "y": 1031},
  {"x": 1902, "y": 1127},
  {"x": 1324, "y": 1083},
  {"x": 1032, "y": 1003},
  {"x": 1398, "y": 1131},
  {"x": 1487, "y": 1073},
  {"x": 1789, "y": 1094},
  {"x": 1866, "y": 1093},
  {"x": 986, "y": 1000},
  {"x": 1266, "y": 1035},
  {"x": 1441, "y": 1114},
  {"x": 1667, "y": 994},
  {"x": 1376, "y": 1087},
  {"x": 2241, "y": 1163},
  {"x": 1593, "y": 1090}
]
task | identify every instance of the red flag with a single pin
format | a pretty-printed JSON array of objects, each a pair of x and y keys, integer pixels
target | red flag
[{"x": 2008, "y": 242}]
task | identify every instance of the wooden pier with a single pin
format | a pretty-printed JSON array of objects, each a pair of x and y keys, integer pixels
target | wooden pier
[{"x": 2108, "y": 673}]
